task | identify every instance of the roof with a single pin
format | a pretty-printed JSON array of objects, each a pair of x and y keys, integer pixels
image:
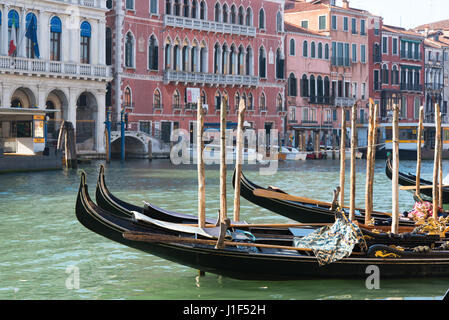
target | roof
[
  {"x": 288, "y": 27},
  {"x": 400, "y": 30},
  {"x": 439, "y": 25},
  {"x": 296, "y": 6}
]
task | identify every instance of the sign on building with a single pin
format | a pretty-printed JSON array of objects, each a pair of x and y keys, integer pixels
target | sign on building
[{"x": 193, "y": 94}]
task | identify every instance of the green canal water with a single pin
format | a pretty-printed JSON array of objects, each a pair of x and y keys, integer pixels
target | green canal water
[{"x": 43, "y": 246}]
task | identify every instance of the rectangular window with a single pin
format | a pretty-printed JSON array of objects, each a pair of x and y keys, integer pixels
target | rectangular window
[
  {"x": 395, "y": 46},
  {"x": 305, "y": 24},
  {"x": 340, "y": 53},
  {"x": 322, "y": 22},
  {"x": 362, "y": 27},
  {"x": 334, "y": 22},
  {"x": 153, "y": 6},
  {"x": 130, "y": 4},
  {"x": 145, "y": 126},
  {"x": 376, "y": 80},
  {"x": 354, "y": 26},
  {"x": 363, "y": 53},
  {"x": 354, "y": 52},
  {"x": 363, "y": 91},
  {"x": 384, "y": 45},
  {"x": 347, "y": 58},
  {"x": 376, "y": 28},
  {"x": 55, "y": 46},
  {"x": 345, "y": 24},
  {"x": 85, "y": 50}
]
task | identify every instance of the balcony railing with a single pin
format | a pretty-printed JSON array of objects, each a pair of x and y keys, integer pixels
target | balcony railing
[
  {"x": 411, "y": 87},
  {"x": 344, "y": 102},
  {"x": 65, "y": 69},
  {"x": 209, "y": 78},
  {"x": 434, "y": 86},
  {"x": 209, "y": 26},
  {"x": 415, "y": 56},
  {"x": 321, "y": 100},
  {"x": 340, "y": 61}
]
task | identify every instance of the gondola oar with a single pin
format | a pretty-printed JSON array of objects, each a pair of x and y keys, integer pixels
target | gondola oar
[
  {"x": 409, "y": 188},
  {"x": 287, "y": 197}
]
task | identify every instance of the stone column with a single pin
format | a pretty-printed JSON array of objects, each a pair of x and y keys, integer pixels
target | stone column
[
  {"x": 71, "y": 108},
  {"x": 43, "y": 35},
  {"x": 101, "y": 42},
  {"x": 4, "y": 31},
  {"x": 100, "y": 126},
  {"x": 21, "y": 39},
  {"x": 95, "y": 42}
]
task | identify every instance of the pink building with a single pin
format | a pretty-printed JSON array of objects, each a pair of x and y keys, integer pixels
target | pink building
[
  {"x": 159, "y": 49},
  {"x": 347, "y": 29},
  {"x": 309, "y": 101}
]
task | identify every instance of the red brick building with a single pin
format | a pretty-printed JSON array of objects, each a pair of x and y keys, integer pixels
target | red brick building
[{"x": 161, "y": 48}]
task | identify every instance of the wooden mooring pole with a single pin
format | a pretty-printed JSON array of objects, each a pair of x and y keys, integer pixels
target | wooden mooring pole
[
  {"x": 353, "y": 162},
  {"x": 200, "y": 166},
  {"x": 223, "y": 205},
  {"x": 436, "y": 162},
  {"x": 239, "y": 159},
  {"x": 419, "y": 151},
  {"x": 369, "y": 166},
  {"x": 342, "y": 158},
  {"x": 395, "y": 174}
]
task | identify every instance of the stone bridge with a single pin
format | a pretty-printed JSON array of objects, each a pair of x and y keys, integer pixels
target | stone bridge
[{"x": 139, "y": 144}]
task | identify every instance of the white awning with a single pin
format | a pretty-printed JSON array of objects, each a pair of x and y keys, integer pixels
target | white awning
[{"x": 26, "y": 111}]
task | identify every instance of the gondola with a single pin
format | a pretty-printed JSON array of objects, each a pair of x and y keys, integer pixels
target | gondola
[
  {"x": 267, "y": 261},
  {"x": 301, "y": 211},
  {"x": 106, "y": 200},
  {"x": 410, "y": 180}
]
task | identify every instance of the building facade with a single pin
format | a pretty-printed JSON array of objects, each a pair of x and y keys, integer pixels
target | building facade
[
  {"x": 52, "y": 64},
  {"x": 161, "y": 51}
]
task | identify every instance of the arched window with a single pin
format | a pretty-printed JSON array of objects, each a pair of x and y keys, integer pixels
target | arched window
[
  {"x": 292, "y": 85},
  {"x": 224, "y": 59},
  {"x": 167, "y": 6},
  {"x": 262, "y": 102},
  {"x": 320, "y": 50},
  {"x": 217, "y": 12},
  {"x": 326, "y": 51},
  {"x": 233, "y": 14},
  {"x": 194, "y": 8},
  {"x": 177, "y": 8},
  {"x": 313, "y": 50},
  {"x": 305, "y": 49},
  {"x": 241, "y": 16},
  {"x": 153, "y": 53},
  {"x": 13, "y": 32},
  {"x": 385, "y": 78},
  {"x": 262, "y": 63},
  {"x": 320, "y": 87},
  {"x": 32, "y": 47},
  {"x": 250, "y": 102},
  {"x": 176, "y": 99},
  {"x": 176, "y": 57},
  {"x": 304, "y": 86},
  {"x": 185, "y": 58},
  {"x": 279, "y": 64},
  {"x": 217, "y": 100},
  {"x": 167, "y": 56},
  {"x": 249, "y": 17},
  {"x": 55, "y": 39},
  {"x": 236, "y": 100},
  {"x": 216, "y": 58},
  {"x": 129, "y": 50},
  {"x": 327, "y": 92},
  {"x": 241, "y": 61},
  {"x": 203, "y": 57},
  {"x": 279, "y": 22},
  {"x": 261, "y": 19},
  {"x": 225, "y": 13},
  {"x": 127, "y": 98},
  {"x": 279, "y": 103},
  {"x": 292, "y": 47},
  {"x": 85, "y": 42},
  {"x": 249, "y": 61},
  {"x": 186, "y": 8},
  {"x": 202, "y": 10},
  {"x": 157, "y": 99},
  {"x": 232, "y": 58},
  {"x": 395, "y": 75},
  {"x": 312, "y": 86}
]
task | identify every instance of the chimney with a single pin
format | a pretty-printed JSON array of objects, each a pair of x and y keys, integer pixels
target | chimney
[{"x": 346, "y": 4}]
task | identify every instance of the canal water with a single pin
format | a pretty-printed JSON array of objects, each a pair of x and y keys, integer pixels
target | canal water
[{"x": 45, "y": 250}]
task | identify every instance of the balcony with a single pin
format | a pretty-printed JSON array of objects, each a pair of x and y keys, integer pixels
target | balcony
[
  {"x": 209, "y": 26},
  {"x": 210, "y": 78},
  {"x": 340, "y": 61},
  {"x": 434, "y": 86},
  {"x": 54, "y": 68},
  {"x": 413, "y": 57},
  {"x": 321, "y": 100},
  {"x": 411, "y": 87},
  {"x": 344, "y": 102}
]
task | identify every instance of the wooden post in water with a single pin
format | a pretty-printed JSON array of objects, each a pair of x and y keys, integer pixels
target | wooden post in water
[
  {"x": 440, "y": 162},
  {"x": 200, "y": 166},
  {"x": 436, "y": 161},
  {"x": 342, "y": 157},
  {"x": 239, "y": 159},
  {"x": 395, "y": 174},
  {"x": 373, "y": 155},
  {"x": 369, "y": 167},
  {"x": 419, "y": 151},
  {"x": 223, "y": 207},
  {"x": 353, "y": 162}
]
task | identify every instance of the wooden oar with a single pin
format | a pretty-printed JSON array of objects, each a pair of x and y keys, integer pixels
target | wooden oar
[
  {"x": 148, "y": 237},
  {"x": 282, "y": 196},
  {"x": 407, "y": 188}
]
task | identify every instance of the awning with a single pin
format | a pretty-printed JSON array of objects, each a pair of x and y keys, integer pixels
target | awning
[
  {"x": 26, "y": 111},
  {"x": 216, "y": 125}
]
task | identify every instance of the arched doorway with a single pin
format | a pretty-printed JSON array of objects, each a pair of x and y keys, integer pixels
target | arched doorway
[
  {"x": 23, "y": 98},
  {"x": 57, "y": 104},
  {"x": 86, "y": 115}
]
